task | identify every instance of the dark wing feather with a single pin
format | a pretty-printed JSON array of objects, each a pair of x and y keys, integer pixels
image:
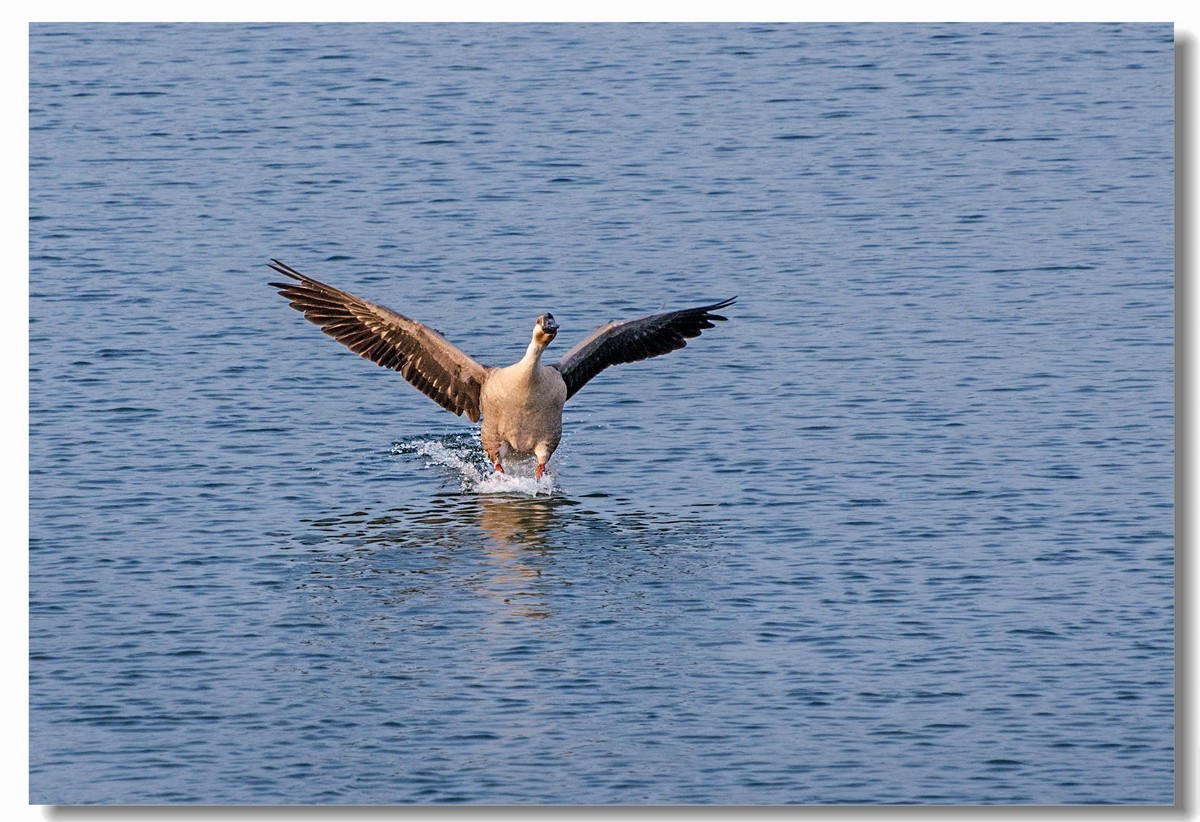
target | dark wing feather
[
  {"x": 634, "y": 340},
  {"x": 424, "y": 357}
]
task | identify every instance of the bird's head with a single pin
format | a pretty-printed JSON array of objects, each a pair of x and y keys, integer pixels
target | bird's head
[{"x": 545, "y": 329}]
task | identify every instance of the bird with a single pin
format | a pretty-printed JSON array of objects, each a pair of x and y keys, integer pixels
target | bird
[{"x": 521, "y": 404}]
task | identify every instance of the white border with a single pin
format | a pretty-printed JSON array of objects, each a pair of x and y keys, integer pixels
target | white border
[{"x": 14, "y": 340}]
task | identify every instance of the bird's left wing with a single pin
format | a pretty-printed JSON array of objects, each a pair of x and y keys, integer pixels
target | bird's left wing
[
  {"x": 634, "y": 340},
  {"x": 425, "y": 358}
]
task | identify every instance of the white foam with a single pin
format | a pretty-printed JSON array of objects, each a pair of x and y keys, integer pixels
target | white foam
[{"x": 466, "y": 458}]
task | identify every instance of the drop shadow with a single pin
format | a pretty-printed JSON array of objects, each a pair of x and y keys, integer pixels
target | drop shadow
[{"x": 1185, "y": 788}]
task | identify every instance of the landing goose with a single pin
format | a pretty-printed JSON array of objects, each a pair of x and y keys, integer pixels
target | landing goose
[{"x": 521, "y": 404}]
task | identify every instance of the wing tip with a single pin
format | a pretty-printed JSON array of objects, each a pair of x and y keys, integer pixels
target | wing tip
[
  {"x": 286, "y": 270},
  {"x": 708, "y": 309}
]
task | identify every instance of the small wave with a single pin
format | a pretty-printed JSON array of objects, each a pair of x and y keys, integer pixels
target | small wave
[{"x": 463, "y": 454}]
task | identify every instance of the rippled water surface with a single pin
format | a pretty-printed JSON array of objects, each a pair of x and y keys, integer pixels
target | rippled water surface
[{"x": 900, "y": 531}]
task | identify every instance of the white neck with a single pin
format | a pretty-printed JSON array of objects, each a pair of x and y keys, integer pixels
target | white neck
[{"x": 533, "y": 354}]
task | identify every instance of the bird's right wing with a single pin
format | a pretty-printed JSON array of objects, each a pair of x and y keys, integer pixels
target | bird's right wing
[
  {"x": 425, "y": 358},
  {"x": 634, "y": 340}
]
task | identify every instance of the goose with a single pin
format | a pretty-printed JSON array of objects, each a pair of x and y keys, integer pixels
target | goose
[{"x": 521, "y": 404}]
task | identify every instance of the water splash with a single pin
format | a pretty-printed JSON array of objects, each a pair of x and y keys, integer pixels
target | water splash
[{"x": 463, "y": 454}]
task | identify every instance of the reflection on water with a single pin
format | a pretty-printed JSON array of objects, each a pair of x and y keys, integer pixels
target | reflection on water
[
  {"x": 514, "y": 524},
  {"x": 516, "y": 535},
  {"x": 511, "y": 550}
]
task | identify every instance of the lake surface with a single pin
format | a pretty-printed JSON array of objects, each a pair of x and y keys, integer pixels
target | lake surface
[{"x": 900, "y": 531}]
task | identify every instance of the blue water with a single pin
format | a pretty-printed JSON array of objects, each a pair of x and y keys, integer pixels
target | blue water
[{"x": 900, "y": 531}]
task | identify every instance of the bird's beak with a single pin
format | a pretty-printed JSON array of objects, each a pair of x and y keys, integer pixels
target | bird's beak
[{"x": 549, "y": 326}]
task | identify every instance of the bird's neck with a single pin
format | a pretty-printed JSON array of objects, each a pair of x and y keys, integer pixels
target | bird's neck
[{"x": 533, "y": 356}]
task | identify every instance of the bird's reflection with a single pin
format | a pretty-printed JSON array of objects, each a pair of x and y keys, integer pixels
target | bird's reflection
[
  {"x": 515, "y": 524},
  {"x": 498, "y": 546},
  {"x": 517, "y": 541},
  {"x": 519, "y": 553}
]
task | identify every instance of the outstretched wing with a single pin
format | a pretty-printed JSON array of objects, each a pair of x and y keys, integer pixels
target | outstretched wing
[
  {"x": 634, "y": 340},
  {"x": 424, "y": 357}
]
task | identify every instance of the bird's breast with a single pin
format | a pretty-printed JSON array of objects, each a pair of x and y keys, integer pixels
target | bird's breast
[{"x": 518, "y": 396}]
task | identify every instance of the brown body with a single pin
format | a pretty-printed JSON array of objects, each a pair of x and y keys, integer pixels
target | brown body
[{"x": 522, "y": 412}]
